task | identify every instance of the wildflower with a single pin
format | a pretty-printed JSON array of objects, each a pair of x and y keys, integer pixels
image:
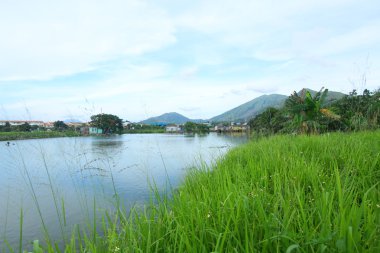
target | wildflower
[
  {"x": 209, "y": 215},
  {"x": 252, "y": 194},
  {"x": 116, "y": 249}
]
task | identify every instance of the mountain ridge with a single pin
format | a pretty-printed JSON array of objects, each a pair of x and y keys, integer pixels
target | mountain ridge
[
  {"x": 243, "y": 112},
  {"x": 169, "y": 118},
  {"x": 252, "y": 108}
]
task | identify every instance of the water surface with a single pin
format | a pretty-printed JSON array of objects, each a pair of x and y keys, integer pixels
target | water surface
[{"x": 41, "y": 178}]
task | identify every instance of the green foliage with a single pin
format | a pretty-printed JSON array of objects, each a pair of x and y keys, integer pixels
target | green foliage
[
  {"x": 282, "y": 194},
  {"x": 191, "y": 127},
  {"x": 144, "y": 129},
  {"x": 36, "y": 247},
  {"x": 305, "y": 113},
  {"x": 279, "y": 194},
  {"x": 359, "y": 112},
  {"x": 107, "y": 122},
  {"x": 6, "y": 136},
  {"x": 305, "y": 110},
  {"x": 7, "y": 127},
  {"x": 60, "y": 126},
  {"x": 24, "y": 127},
  {"x": 270, "y": 121}
]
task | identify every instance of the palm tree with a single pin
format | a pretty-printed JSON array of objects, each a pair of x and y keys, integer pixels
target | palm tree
[{"x": 307, "y": 110}]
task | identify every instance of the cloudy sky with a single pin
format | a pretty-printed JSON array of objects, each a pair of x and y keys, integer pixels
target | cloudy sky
[{"x": 141, "y": 58}]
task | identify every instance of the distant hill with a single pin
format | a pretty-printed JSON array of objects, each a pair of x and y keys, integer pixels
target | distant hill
[
  {"x": 169, "y": 118},
  {"x": 243, "y": 112},
  {"x": 254, "y": 107},
  {"x": 332, "y": 96},
  {"x": 251, "y": 109},
  {"x": 72, "y": 121}
]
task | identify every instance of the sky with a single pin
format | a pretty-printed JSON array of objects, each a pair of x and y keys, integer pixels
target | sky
[{"x": 141, "y": 58}]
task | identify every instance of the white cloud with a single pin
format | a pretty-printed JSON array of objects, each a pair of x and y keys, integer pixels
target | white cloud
[
  {"x": 146, "y": 57},
  {"x": 284, "y": 30},
  {"x": 45, "y": 39}
]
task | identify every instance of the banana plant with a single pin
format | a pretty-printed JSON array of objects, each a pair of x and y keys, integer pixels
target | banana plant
[{"x": 307, "y": 110}]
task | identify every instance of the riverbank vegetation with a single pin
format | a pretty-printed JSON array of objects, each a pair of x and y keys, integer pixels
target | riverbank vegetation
[
  {"x": 135, "y": 128},
  {"x": 307, "y": 114},
  {"x": 308, "y": 191},
  {"x": 191, "y": 127},
  {"x": 278, "y": 194},
  {"x": 8, "y": 136}
]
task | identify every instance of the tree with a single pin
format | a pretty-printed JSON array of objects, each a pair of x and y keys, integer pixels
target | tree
[
  {"x": 60, "y": 125},
  {"x": 308, "y": 112},
  {"x": 359, "y": 112},
  {"x": 191, "y": 127},
  {"x": 270, "y": 121},
  {"x": 7, "y": 127},
  {"x": 107, "y": 122},
  {"x": 25, "y": 127}
]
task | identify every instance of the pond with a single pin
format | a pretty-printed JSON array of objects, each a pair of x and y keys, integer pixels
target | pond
[{"x": 55, "y": 183}]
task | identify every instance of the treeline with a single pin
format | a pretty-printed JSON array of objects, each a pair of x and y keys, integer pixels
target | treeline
[
  {"x": 135, "y": 128},
  {"x": 191, "y": 127},
  {"x": 59, "y": 126},
  {"x": 307, "y": 114}
]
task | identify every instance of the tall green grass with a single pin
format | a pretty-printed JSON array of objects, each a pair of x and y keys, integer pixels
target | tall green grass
[{"x": 280, "y": 194}]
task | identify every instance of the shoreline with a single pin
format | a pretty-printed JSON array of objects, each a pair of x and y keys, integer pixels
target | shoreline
[{"x": 15, "y": 136}]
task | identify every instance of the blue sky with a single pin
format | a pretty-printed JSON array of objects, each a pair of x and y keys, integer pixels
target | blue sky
[{"x": 142, "y": 58}]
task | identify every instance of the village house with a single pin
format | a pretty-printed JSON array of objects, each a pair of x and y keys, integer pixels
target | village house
[
  {"x": 89, "y": 130},
  {"x": 48, "y": 125},
  {"x": 127, "y": 124},
  {"x": 20, "y": 122},
  {"x": 233, "y": 127},
  {"x": 221, "y": 128},
  {"x": 173, "y": 128},
  {"x": 95, "y": 130}
]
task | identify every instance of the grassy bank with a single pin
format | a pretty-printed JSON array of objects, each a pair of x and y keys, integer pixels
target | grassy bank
[
  {"x": 144, "y": 131},
  {"x": 7, "y": 136},
  {"x": 281, "y": 194}
]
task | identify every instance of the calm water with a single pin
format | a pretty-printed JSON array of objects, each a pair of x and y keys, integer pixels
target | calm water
[{"x": 79, "y": 171}]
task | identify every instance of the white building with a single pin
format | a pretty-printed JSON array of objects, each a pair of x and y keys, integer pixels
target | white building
[
  {"x": 20, "y": 122},
  {"x": 172, "y": 128}
]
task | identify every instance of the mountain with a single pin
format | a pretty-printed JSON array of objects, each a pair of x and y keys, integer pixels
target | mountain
[
  {"x": 243, "y": 112},
  {"x": 252, "y": 108},
  {"x": 72, "y": 121},
  {"x": 167, "y": 118},
  {"x": 331, "y": 97}
]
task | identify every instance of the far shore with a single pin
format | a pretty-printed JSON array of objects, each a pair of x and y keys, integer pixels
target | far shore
[{"x": 11, "y": 136}]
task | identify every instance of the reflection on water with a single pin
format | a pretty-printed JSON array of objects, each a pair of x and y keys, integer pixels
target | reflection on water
[
  {"x": 107, "y": 144},
  {"x": 85, "y": 169}
]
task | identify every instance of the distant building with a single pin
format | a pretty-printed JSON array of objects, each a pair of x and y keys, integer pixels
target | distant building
[
  {"x": 48, "y": 125},
  {"x": 172, "y": 128},
  {"x": 95, "y": 130},
  {"x": 74, "y": 124},
  {"x": 20, "y": 122},
  {"x": 221, "y": 128},
  {"x": 232, "y": 127},
  {"x": 127, "y": 124},
  {"x": 86, "y": 130}
]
